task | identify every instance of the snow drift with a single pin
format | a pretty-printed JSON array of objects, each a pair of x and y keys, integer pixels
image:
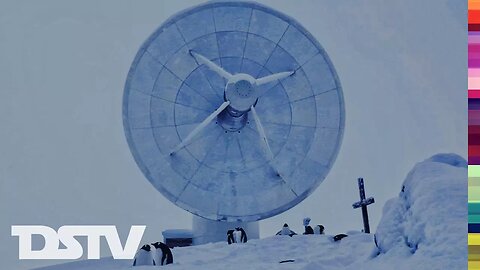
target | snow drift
[
  {"x": 426, "y": 224},
  {"x": 425, "y": 227}
]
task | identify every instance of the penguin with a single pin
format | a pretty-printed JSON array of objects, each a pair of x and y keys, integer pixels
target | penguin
[
  {"x": 144, "y": 256},
  {"x": 306, "y": 221},
  {"x": 230, "y": 237},
  {"x": 162, "y": 255},
  {"x": 339, "y": 237},
  {"x": 308, "y": 229},
  {"x": 243, "y": 235},
  {"x": 286, "y": 231},
  {"x": 237, "y": 235},
  {"x": 319, "y": 229}
]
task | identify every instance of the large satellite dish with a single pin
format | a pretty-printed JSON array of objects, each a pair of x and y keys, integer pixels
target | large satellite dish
[{"x": 233, "y": 111}]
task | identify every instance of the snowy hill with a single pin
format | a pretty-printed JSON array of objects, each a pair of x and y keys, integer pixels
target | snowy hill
[{"x": 423, "y": 228}]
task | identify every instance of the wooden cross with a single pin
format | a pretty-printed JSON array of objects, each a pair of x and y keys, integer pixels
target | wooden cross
[{"x": 363, "y": 203}]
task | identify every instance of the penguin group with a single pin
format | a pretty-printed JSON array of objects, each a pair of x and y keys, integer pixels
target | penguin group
[
  {"x": 319, "y": 229},
  {"x": 154, "y": 254},
  {"x": 236, "y": 236}
]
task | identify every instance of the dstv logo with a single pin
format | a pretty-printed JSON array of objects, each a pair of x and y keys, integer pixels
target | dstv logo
[{"x": 73, "y": 249}]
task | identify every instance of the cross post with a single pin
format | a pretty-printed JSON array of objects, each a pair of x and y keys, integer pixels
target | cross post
[{"x": 363, "y": 204}]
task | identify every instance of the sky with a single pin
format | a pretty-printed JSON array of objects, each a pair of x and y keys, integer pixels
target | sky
[{"x": 63, "y": 64}]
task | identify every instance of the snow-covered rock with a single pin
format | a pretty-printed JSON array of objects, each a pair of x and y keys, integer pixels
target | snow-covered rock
[{"x": 426, "y": 224}]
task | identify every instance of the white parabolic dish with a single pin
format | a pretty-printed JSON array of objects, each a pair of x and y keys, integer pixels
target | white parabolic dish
[{"x": 213, "y": 131}]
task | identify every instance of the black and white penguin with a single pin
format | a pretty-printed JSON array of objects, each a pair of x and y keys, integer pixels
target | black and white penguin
[
  {"x": 319, "y": 229},
  {"x": 306, "y": 221},
  {"x": 339, "y": 237},
  {"x": 243, "y": 235},
  {"x": 162, "y": 255},
  {"x": 286, "y": 231},
  {"x": 144, "y": 256},
  {"x": 230, "y": 237},
  {"x": 308, "y": 229}
]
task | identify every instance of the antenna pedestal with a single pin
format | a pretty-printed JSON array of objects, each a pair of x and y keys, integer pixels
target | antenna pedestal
[{"x": 211, "y": 231}]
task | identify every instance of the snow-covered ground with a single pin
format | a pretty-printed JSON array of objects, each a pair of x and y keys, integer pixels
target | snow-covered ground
[
  {"x": 255, "y": 254},
  {"x": 423, "y": 228}
]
